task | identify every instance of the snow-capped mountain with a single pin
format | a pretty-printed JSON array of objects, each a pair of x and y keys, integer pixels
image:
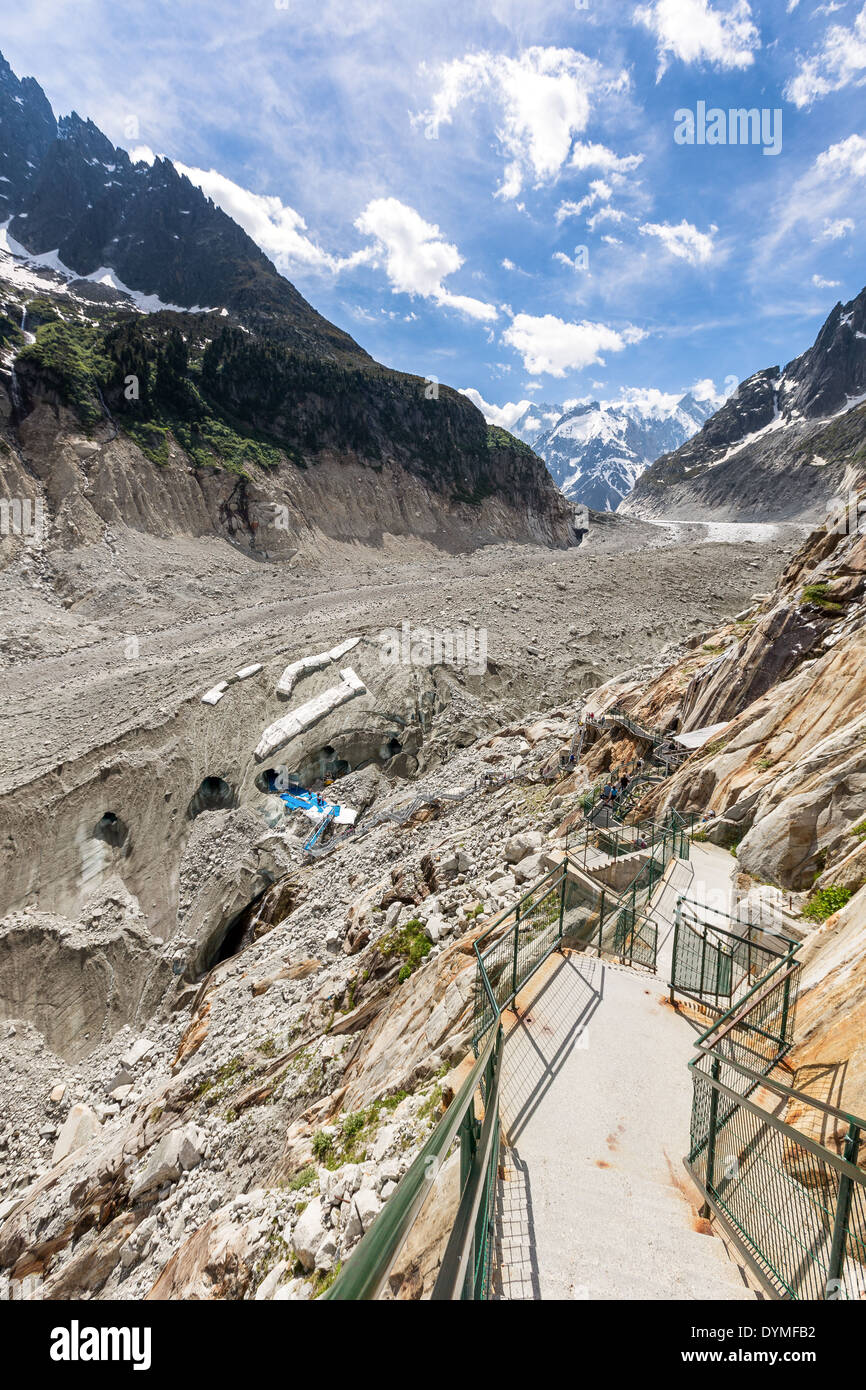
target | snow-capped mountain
[
  {"x": 781, "y": 446},
  {"x": 596, "y": 450}
]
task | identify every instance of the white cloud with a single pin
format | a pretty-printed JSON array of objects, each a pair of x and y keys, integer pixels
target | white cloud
[
  {"x": 503, "y": 415},
  {"x": 839, "y": 62},
  {"x": 549, "y": 344},
  {"x": 821, "y": 284},
  {"x": 545, "y": 98},
  {"x": 826, "y": 201},
  {"x": 507, "y": 264},
  {"x": 835, "y": 230},
  {"x": 847, "y": 159},
  {"x": 697, "y": 32},
  {"x": 142, "y": 154},
  {"x": 706, "y": 390},
  {"x": 278, "y": 229},
  {"x": 600, "y": 157},
  {"x": 605, "y": 215},
  {"x": 683, "y": 240},
  {"x": 415, "y": 256},
  {"x": 599, "y": 191}
]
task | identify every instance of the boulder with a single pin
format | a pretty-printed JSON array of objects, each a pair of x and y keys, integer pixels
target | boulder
[
  {"x": 530, "y": 868},
  {"x": 175, "y": 1153},
  {"x": 308, "y": 1234},
  {"x": 526, "y": 842},
  {"x": 79, "y": 1127}
]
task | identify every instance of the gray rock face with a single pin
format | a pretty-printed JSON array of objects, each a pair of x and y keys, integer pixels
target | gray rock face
[{"x": 772, "y": 451}]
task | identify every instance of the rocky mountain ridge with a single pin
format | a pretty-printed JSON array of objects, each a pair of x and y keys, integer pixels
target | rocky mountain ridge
[
  {"x": 781, "y": 446},
  {"x": 72, "y": 197}
]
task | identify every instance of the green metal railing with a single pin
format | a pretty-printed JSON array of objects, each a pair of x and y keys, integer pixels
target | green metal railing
[
  {"x": 516, "y": 944},
  {"x": 716, "y": 958},
  {"x": 793, "y": 1201},
  {"x": 375, "y": 1267}
]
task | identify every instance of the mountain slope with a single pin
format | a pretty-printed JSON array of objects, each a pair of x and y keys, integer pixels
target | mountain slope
[
  {"x": 75, "y": 198},
  {"x": 781, "y": 446}
]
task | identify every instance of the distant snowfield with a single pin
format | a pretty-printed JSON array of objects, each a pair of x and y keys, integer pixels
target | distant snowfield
[{"x": 715, "y": 532}]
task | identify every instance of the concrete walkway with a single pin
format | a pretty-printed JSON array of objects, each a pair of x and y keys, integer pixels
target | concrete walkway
[{"x": 594, "y": 1201}]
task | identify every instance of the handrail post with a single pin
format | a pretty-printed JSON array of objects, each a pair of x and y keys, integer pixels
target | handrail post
[
  {"x": 703, "y": 959},
  {"x": 562, "y": 901},
  {"x": 601, "y": 921},
  {"x": 514, "y": 961},
  {"x": 836, "y": 1263},
  {"x": 786, "y": 992},
  {"x": 711, "y": 1137},
  {"x": 674, "y": 949}
]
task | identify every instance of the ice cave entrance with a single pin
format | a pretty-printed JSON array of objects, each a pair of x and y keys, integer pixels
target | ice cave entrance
[
  {"x": 111, "y": 830},
  {"x": 214, "y": 794}
]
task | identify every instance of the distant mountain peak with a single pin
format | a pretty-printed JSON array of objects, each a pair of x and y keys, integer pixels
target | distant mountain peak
[
  {"x": 596, "y": 450},
  {"x": 777, "y": 448},
  {"x": 69, "y": 194}
]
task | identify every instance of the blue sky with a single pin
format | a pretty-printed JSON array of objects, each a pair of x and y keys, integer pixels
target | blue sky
[{"x": 425, "y": 172}]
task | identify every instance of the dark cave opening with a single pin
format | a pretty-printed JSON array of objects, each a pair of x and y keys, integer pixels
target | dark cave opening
[
  {"x": 111, "y": 830},
  {"x": 213, "y": 794}
]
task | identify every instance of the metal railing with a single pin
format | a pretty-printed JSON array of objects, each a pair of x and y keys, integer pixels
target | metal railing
[
  {"x": 376, "y": 1267},
  {"x": 791, "y": 1197},
  {"x": 515, "y": 945}
]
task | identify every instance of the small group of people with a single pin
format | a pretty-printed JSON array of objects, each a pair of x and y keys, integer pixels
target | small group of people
[
  {"x": 615, "y": 791},
  {"x": 597, "y": 723}
]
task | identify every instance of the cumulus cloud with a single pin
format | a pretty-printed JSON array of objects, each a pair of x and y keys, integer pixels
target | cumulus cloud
[
  {"x": 683, "y": 240},
  {"x": 821, "y": 284},
  {"x": 845, "y": 160},
  {"x": 545, "y": 99},
  {"x": 550, "y": 344},
  {"x": 278, "y": 229},
  {"x": 416, "y": 257},
  {"x": 694, "y": 31},
  {"x": 506, "y": 416},
  {"x": 839, "y": 62}
]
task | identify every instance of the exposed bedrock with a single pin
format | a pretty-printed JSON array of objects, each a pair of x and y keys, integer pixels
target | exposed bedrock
[{"x": 93, "y": 482}]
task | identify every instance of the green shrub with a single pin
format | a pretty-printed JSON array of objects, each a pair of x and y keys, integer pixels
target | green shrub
[
  {"x": 322, "y": 1143},
  {"x": 825, "y": 901},
  {"x": 818, "y": 595},
  {"x": 408, "y": 941},
  {"x": 302, "y": 1179}
]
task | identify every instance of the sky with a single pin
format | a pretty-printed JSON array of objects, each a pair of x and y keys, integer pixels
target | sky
[{"x": 512, "y": 197}]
